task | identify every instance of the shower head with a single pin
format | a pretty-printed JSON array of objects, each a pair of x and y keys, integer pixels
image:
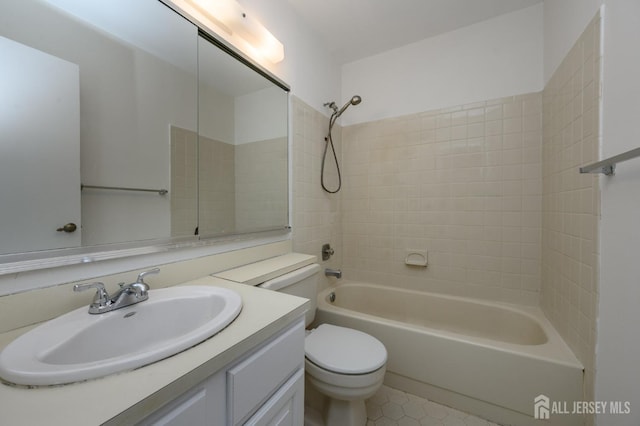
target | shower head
[{"x": 355, "y": 100}]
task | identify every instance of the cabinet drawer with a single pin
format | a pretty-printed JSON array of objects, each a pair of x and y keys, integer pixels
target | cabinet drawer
[{"x": 251, "y": 382}]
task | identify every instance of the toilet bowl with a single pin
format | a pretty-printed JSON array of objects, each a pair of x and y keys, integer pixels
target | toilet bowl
[{"x": 346, "y": 366}]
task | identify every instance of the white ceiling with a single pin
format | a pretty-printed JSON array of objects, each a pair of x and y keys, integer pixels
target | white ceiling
[{"x": 354, "y": 29}]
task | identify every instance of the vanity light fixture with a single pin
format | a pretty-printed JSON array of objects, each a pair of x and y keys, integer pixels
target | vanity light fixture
[{"x": 233, "y": 18}]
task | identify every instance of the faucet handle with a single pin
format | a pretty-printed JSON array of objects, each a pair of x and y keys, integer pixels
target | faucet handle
[
  {"x": 101, "y": 296},
  {"x": 141, "y": 275}
]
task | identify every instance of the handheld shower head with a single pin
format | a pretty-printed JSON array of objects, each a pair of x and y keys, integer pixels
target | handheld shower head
[{"x": 353, "y": 101}]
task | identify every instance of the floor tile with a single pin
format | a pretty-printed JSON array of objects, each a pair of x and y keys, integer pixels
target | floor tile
[{"x": 392, "y": 407}]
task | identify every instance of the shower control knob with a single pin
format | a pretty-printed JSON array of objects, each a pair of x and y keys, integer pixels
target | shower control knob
[{"x": 327, "y": 251}]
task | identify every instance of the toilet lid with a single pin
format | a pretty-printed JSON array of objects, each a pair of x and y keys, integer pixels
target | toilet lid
[{"x": 344, "y": 350}]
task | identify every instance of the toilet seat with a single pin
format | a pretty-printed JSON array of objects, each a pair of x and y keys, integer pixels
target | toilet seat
[{"x": 344, "y": 350}]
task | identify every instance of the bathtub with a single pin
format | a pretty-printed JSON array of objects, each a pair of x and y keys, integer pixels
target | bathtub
[{"x": 486, "y": 358}]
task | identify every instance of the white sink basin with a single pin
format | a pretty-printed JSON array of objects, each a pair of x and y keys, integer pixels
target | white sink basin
[{"x": 79, "y": 346}]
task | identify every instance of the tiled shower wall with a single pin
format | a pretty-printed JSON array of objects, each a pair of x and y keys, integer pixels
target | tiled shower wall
[
  {"x": 570, "y": 253},
  {"x": 217, "y": 206},
  {"x": 234, "y": 195},
  {"x": 184, "y": 182},
  {"x": 463, "y": 184},
  {"x": 216, "y": 202},
  {"x": 316, "y": 214},
  {"x": 261, "y": 192},
  {"x": 502, "y": 214}
]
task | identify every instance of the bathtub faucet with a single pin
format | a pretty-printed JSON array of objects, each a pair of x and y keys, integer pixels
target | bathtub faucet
[{"x": 333, "y": 273}]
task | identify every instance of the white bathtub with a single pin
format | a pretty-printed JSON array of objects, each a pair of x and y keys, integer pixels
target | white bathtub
[{"x": 486, "y": 358}]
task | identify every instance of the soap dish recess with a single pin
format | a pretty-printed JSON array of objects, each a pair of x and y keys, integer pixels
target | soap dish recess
[{"x": 416, "y": 258}]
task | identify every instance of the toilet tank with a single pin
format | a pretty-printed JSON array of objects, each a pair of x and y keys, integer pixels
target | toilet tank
[{"x": 302, "y": 282}]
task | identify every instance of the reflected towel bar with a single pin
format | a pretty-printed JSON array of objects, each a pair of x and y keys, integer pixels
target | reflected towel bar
[
  {"x": 608, "y": 166},
  {"x": 118, "y": 188}
]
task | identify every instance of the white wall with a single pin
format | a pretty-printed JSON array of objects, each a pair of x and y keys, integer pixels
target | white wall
[
  {"x": 618, "y": 374},
  {"x": 216, "y": 112},
  {"x": 492, "y": 59},
  {"x": 260, "y": 116},
  {"x": 308, "y": 67},
  {"x": 618, "y": 346},
  {"x": 564, "y": 21}
]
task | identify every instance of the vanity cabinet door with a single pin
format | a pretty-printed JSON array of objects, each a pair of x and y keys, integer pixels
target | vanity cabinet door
[
  {"x": 286, "y": 406},
  {"x": 259, "y": 376},
  {"x": 203, "y": 405},
  {"x": 265, "y": 387},
  {"x": 188, "y": 410}
]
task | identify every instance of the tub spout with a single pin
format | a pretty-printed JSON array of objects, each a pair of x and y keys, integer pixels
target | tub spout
[{"x": 333, "y": 273}]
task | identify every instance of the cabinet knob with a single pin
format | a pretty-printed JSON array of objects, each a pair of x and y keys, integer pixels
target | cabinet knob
[{"x": 69, "y": 227}]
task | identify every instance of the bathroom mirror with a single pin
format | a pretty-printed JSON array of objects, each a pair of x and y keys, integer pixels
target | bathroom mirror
[
  {"x": 115, "y": 160},
  {"x": 243, "y": 161}
]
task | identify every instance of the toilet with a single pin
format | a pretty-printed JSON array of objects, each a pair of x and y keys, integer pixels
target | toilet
[{"x": 345, "y": 365}]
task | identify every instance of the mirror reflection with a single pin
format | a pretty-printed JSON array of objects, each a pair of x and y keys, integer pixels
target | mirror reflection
[
  {"x": 243, "y": 159},
  {"x": 167, "y": 135}
]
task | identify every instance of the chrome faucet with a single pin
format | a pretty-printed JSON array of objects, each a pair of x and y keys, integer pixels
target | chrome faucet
[
  {"x": 333, "y": 273},
  {"x": 128, "y": 294}
]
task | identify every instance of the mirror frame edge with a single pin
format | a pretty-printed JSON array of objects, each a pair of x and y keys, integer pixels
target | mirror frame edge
[{"x": 34, "y": 261}]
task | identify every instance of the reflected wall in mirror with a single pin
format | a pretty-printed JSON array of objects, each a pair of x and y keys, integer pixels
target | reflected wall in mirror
[
  {"x": 243, "y": 146},
  {"x": 137, "y": 71},
  {"x": 132, "y": 76},
  {"x": 39, "y": 119}
]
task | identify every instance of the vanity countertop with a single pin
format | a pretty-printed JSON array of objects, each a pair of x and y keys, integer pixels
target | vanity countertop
[{"x": 127, "y": 397}]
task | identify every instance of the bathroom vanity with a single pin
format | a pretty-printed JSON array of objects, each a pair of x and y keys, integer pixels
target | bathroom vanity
[{"x": 252, "y": 372}]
